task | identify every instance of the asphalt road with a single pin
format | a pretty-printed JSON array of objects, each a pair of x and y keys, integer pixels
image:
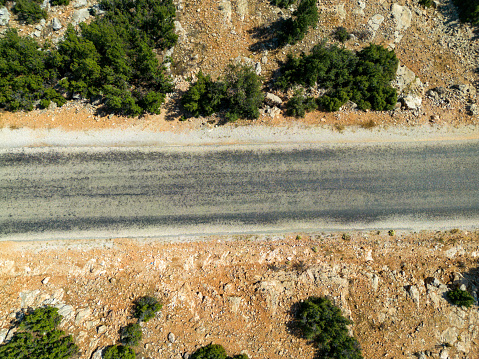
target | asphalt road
[{"x": 171, "y": 191}]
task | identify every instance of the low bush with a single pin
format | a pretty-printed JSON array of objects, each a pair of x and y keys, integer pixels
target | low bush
[
  {"x": 238, "y": 94},
  {"x": 461, "y": 298},
  {"x": 427, "y": 3},
  {"x": 215, "y": 351},
  {"x": 468, "y": 10},
  {"x": 341, "y": 34},
  {"x": 29, "y": 11},
  {"x": 283, "y": 3},
  {"x": 362, "y": 77},
  {"x": 299, "y": 104},
  {"x": 295, "y": 28},
  {"x": 59, "y": 2},
  {"x": 38, "y": 338},
  {"x": 145, "y": 308},
  {"x": 131, "y": 334},
  {"x": 320, "y": 321},
  {"x": 118, "y": 352}
]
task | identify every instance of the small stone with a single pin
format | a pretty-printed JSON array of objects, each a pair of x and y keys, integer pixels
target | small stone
[
  {"x": 171, "y": 337},
  {"x": 56, "y": 24},
  {"x": 4, "y": 16},
  {"x": 37, "y": 33},
  {"x": 46, "y": 280},
  {"x": 101, "y": 329},
  {"x": 82, "y": 315},
  {"x": 463, "y": 287}
]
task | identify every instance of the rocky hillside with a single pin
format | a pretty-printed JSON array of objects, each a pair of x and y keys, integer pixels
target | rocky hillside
[
  {"x": 436, "y": 79},
  {"x": 239, "y": 291}
]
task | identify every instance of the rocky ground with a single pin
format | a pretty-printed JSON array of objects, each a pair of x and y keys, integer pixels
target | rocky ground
[
  {"x": 238, "y": 291},
  {"x": 436, "y": 79}
]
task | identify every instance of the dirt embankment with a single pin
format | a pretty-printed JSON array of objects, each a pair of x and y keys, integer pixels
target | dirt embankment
[{"x": 238, "y": 291}]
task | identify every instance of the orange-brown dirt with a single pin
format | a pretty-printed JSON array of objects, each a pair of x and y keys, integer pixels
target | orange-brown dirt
[{"x": 238, "y": 290}]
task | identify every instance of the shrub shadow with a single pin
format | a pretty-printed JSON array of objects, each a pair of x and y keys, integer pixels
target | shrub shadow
[{"x": 268, "y": 36}]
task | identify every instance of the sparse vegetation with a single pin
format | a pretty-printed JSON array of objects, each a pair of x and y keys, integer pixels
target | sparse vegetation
[
  {"x": 427, "y": 3},
  {"x": 460, "y": 298},
  {"x": 295, "y": 28},
  {"x": 59, "y": 2},
  {"x": 38, "y": 338},
  {"x": 145, "y": 308},
  {"x": 322, "y": 322},
  {"x": 341, "y": 34},
  {"x": 283, "y": 3},
  {"x": 391, "y": 232},
  {"x": 131, "y": 334},
  {"x": 214, "y": 351},
  {"x": 118, "y": 352},
  {"x": 363, "y": 78}
]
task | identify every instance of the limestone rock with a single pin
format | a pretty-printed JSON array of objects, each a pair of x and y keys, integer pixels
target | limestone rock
[
  {"x": 3, "y": 335},
  {"x": 375, "y": 22},
  {"x": 413, "y": 293},
  {"x": 412, "y": 102},
  {"x": 242, "y": 8},
  {"x": 101, "y": 329},
  {"x": 28, "y": 298},
  {"x": 82, "y": 315},
  {"x": 80, "y": 16},
  {"x": 56, "y": 24},
  {"x": 171, "y": 337},
  {"x": 273, "y": 100},
  {"x": 97, "y": 354},
  {"x": 80, "y": 3},
  {"x": 402, "y": 15}
]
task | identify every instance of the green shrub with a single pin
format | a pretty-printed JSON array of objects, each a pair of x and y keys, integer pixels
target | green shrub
[
  {"x": 427, "y": 3},
  {"x": 145, "y": 308},
  {"x": 362, "y": 77},
  {"x": 210, "y": 351},
  {"x": 239, "y": 356},
  {"x": 118, "y": 352},
  {"x": 3, "y": 2},
  {"x": 391, "y": 232},
  {"x": 294, "y": 29},
  {"x": 29, "y": 11},
  {"x": 59, "y": 2},
  {"x": 468, "y": 10},
  {"x": 38, "y": 338},
  {"x": 243, "y": 92},
  {"x": 299, "y": 104},
  {"x": 283, "y": 3},
  {"x": 131, "y": 334},
  {"x": 204, "y": 97},
  {"x": 320, "y": 321},
  {"x": 41, "y": 320},
  {"x": 341, "y": 34},
  {"x": 461, "y": 298}
]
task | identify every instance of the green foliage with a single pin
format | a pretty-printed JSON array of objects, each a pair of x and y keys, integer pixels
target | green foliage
[
  {"x": 427, "y": 3},
  {"x": 294, "y": 29},
  {"x": 131, "y": 334},
  {"x": 461, "y": 298},
  {"x": 341, "y": 34},
  {"x": 41, "y": 320},
  {"x": 37, "y": 338},
  {"x": 3, "y": 2},
  {"x": 239, "y": 93},
  {"x": 118, "y": 352},
  {"x": 145, "y": 308},
  {"x": 323, "y": 323},
  {"x": 27, "y": 73},
  {"x": 111, "y": 57},
  {"x": 243, "y": 92},
  {"x": 210, "y": 351},
  {"x": 468, "y": 10},
  {"x": 299, "y": 104},
  {"x": 362, "y": 77},
  {"x": 29, "y": 11},
  {"x": 59, "y": 2},
  {"x": 283, "y": 3},
  {"x": 204, "y": 97},
  {"x": 239, "y": 356}
]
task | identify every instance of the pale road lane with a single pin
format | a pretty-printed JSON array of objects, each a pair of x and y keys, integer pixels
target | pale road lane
[{"x": 68, "y": 193}]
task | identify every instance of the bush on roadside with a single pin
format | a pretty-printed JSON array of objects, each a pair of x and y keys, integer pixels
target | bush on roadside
[
  {"x": 204, "y": 97},
  {"x": 145, "y": 308},
  {"x": 131, "y": 334},
  {"x": 299, "y": 104},
  {"x": 362, "y": 77},
  {"x": 460, "y": 298},
  {"x": 29, "y": 11},
  {"x": 322, "y": 322}
]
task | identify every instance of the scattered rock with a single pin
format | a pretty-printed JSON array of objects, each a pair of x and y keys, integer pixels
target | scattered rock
[
  {"x": 37, "y": 33},
  {"x": 171, "y": 337},
  {"x": 82, "y": 315},
  {"x": 3, "y": 335},
  {"x": 28, "y": 298},
  {"x": 474, "y": 110},
  {"x": 235, "y": 303},
  {"x": 46, "y": 280},
  {"x": 412, "y": 102},
  {"x": 413, "y": 293},
  {"x": 273, "y": 100},
  {"x": 402, "y": 15},
  {"x": 101, "y": 329},
  {"x": 66, "y": 311},
  {"x": 56, "y": 24},
  {"x": 80, "y": 3},
  {"x": 444, "y": 354},
  {"x": 80, "y": 16},
  {"x": 375, "y": 22},
  {"x": 97, "y": 354}
]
